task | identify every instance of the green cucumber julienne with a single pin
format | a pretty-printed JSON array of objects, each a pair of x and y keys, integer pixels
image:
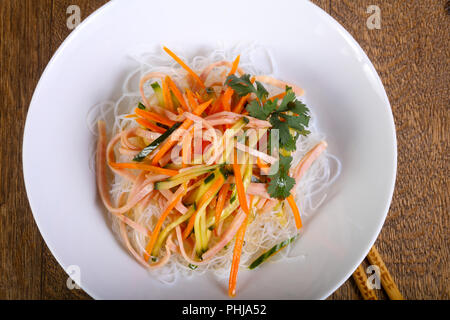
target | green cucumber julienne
[
  {"x": 158, "y": 92},
  {"x": 266, "y": 255},
  {"x": 152, "y": 146}
]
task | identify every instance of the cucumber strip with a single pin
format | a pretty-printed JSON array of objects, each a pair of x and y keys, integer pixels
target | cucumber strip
[
  {"x": 202, "y": 169},
  {"x": 229, "y": 136},
  {"x": 209, "y": 177},
  {"x": 174, "y": 181},
  {"x": 163, "y": 235},
  {"x": 200, "y": 225},
  {"x": 198, "y": 233},
  {"x": 158, "y": 92},
  {"x": 204, "y": 231},
  {"x": 266, "y": 255},
  {"x": 197, "y": 195},
  {"x": 152, "y": 146},
  {"x": 176, "y": 103}
]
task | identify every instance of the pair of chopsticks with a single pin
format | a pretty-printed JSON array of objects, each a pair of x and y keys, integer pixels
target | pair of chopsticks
[{"x": 387, "y": 282}]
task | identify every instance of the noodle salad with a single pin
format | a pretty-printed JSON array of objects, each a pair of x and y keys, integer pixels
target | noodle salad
[{"x": 209, "y": 167}]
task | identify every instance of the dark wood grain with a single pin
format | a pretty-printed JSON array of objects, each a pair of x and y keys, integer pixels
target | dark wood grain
[{"x": 411, "y": 54}]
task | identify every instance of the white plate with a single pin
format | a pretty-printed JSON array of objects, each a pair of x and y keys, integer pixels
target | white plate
[{"x": 309, "y": 48}]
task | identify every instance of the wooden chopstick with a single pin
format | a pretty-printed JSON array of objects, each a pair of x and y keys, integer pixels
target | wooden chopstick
[{"x": 386, "y": 279}]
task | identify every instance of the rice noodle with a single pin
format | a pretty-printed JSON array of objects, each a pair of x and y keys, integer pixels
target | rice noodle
[{"x": 270, "y": 226}]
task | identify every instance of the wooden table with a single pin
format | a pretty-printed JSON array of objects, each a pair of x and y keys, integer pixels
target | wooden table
[{"x": 411, "y": 54}]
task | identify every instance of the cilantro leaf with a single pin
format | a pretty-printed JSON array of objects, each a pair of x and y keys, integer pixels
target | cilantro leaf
[
  {"x": 287, "y": 141},
  {"x": 270, "y": 106},
  {"x": 261, "y": 92},
  {"x": 242, "y": 85},
  {"x": 281, "y": 183},
  {"x": 298, "y": 107},
  {"x": 288, "y": 98},
  {"x": 296, "y": 122},
  {"x": 255, "y": 110}
]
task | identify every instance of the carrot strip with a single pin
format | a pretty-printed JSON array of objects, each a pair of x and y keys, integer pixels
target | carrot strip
[
  {"x": 192, "y": 102},
  {"x": 263, "y": 166},
  {"x": 131, "y": 116},
  {"x": 221, "y": 203},
  {"x": 234, "y": 66},
  {"x": 168, "y": 103},
  {"x": 173, "y": 87},
  {"x": 184, "y": 126},
  {"x": 201, "y": 108},
  {"x": 199, "y": 97},
  {"x": 240, "y": 105},
  {"x": 216, "y": 106},
  {"x": 213, "y": 203},
  {"x": 237, "y": 258},
  {"x": 278, "y": 96},
  {"x": 185, "y": 67},
  {"x": 150, "y": 125},
  {"x": 160, "y": 222},
  {"x": 154, "y": 117},
  {"x": 207, "y": 195},
  {"x": 298, "y": 220},
  {"x": 216, "y": 84},
  {"x": 240, "y": 185},
  {"x": 226, "y": 99},
  {"x": 143, "y": 166}
]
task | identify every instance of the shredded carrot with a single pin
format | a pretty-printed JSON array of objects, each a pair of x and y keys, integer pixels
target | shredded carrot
[
  {"x": 168, "y": 103},
  {"x": 226, "y": 99},
  {"x": 213, "y": 203},
  {"x": 154, "y": 117},
  {"x": 143, "y": 166},
  {"x": 216, "y": 105},
  {"x": 201, "y": 108},
  {"x": 278, "y": 96},
  {"x": 131, "y": 116},
  {"x": 234, "y": 66},
  {"x": 160, "y": 222},
  {"x": 241, "y": 103},
  {"x": 216, "y": 84},
  {"x": 221, "y": 203},
  {"x": 176, "y": 92},
  {"x": 298, "y": 220},
  {"x": 240, "y": 185},
  {"x": 199, "y": 97},
  {"x": 185, "y": 67},
  {"x": 150, "y": 125},
  {"x": 236, "y": 258},
  {"x": 208, "y": 194},
  {"x": 191, "y": 99},
  {"x": 263, "y": 166},
  {"x": 185, "y": 125}
]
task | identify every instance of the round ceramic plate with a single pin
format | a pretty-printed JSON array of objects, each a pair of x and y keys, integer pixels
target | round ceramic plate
[{"x": 308, "y": 48}]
